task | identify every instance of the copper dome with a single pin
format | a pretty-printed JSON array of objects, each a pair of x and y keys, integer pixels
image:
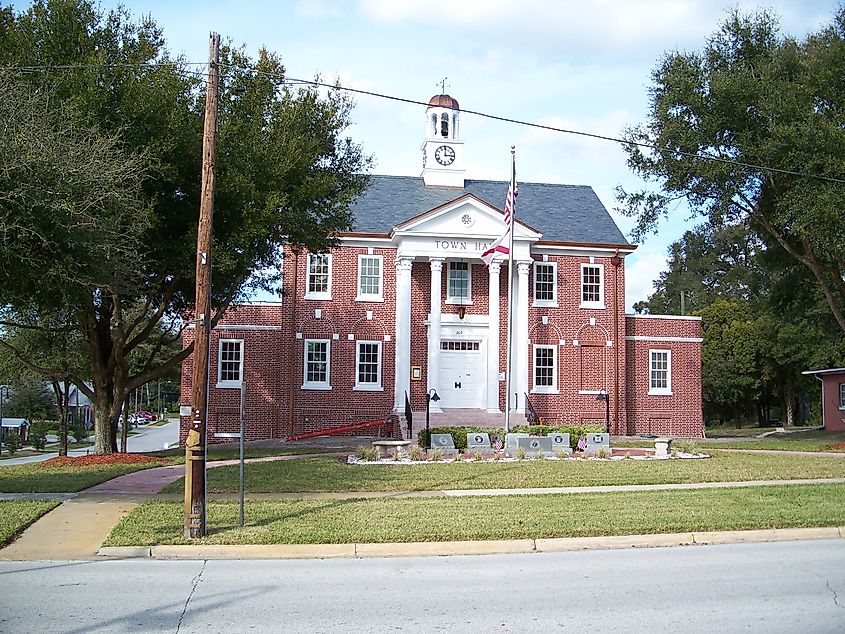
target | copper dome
[{"x": 444, "y": 101}]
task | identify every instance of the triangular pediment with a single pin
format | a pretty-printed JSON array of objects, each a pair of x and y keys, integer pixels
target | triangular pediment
[{"x": 465, "y": 217}]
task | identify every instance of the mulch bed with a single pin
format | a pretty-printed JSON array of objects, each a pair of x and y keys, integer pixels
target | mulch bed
[{"x": 103, "y": 459}]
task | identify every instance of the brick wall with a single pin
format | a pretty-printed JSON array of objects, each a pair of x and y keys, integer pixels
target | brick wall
[
  {"x": 594, "y": 354},
  {"x": 834, "y": 418},
  {"x": 678, "y": 414}
]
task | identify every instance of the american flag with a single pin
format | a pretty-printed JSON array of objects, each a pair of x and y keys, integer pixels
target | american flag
[
  {"x": 500, "y": 245},
  {"x": 582, "y": 442},
  {"x": 513, "y": 192}
]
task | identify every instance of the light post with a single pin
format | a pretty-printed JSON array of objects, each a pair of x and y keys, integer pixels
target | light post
[
  {"x": 604, "y": 396},
  {"x": 431, "y": 395},
  {"x": 4, "y": 393}
]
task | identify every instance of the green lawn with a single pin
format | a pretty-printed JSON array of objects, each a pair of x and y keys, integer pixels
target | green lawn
[
  {"x": 801, "y": 443},
  {"x": 38, "y": 478},
  {"x": 334, "y": 475},
  {"x": 16, "y": 515},
  {"x": 484, "y": 518}
]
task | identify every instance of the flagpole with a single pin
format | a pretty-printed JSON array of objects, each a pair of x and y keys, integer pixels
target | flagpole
[{"x": 509, "y": 361}]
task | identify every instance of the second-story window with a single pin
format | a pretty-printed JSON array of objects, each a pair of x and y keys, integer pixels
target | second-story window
[
  {"x": 458, "y": 284},
  {"x": 319, "y": 282},
  {"x": 370, "y": 278}
]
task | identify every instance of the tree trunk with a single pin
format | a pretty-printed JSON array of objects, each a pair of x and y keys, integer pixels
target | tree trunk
[
  {"x": 737, "y": 417},
  {"x": 61, "y": 403},
  {"x": 105, "y": 423},
  {"x": 124, "y": 432},
  {"x": 789, "y": 401}
]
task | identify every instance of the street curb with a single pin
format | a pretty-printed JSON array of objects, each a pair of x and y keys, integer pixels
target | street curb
[{"x": 491, "y": 547}]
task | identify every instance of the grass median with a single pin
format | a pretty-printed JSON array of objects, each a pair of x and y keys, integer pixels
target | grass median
[
  {"x": 36, "y": 477},
  {"x": 16, "y": 515},
  {"x": 333, "y": 475},
  {"x": 436, "y": 519}
]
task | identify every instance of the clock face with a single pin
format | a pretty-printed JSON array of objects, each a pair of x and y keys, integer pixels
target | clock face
[{"x": 444, "y": 155}]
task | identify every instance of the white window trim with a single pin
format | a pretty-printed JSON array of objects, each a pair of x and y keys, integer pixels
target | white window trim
[
  {"x": 842, "y": 396},
  {"x": 661, "y": 391},
  {"x": 226, "y": 384},
  {"x": 317, "y": 385},
  {"x": 544, "y": 389},
  {"x": 371, "y": 297},
  {"x": 546, "y": 303},
  {"x": 320, "y": 295},
  {"x": 459, "y": 301},
  {"x": 600, "y": 303},
  {"x": 367, "y": 387}
]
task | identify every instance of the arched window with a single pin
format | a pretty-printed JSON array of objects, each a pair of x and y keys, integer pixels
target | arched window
[
  {"x": 455, "y": 125},
  {"x": 433, "y": 125},
  {"x": 444, "y": 125}
]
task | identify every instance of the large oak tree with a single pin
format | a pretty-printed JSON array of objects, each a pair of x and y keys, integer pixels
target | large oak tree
[
  {"x": 769, "y": 112},
  {"x": 285, "y": 173}
]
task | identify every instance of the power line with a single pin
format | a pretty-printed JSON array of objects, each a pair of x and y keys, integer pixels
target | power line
[
  {"x": 590, "y": 135},
  {"x": 478, "y": 113}
]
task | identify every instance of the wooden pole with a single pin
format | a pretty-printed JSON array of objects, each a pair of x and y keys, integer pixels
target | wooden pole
[{"x": 195, "y": 443}]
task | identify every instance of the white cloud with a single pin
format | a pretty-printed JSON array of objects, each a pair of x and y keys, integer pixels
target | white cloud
[{"x": 642, "y": 267}]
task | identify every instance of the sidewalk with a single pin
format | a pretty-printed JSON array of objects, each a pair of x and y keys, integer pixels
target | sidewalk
[{"x": 76, "y": 529}]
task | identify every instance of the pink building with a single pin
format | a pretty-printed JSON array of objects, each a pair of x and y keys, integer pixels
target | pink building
[
  {"x": 405, "y": 305},
  {"x": 833, "y": 397}
]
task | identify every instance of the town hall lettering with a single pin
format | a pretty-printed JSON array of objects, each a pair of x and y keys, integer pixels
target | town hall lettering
[{"x": 460, "y": 245}]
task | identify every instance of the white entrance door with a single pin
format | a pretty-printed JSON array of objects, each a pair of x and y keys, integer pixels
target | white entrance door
[{"x": 463, "y": 370}]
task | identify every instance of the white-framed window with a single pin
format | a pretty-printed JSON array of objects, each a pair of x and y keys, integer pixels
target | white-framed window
[
  {"x": 230, "y": 362},
  {"x": 316, "y": 372},
  {"x": 368, "y": 366},
  {"x": 459, "y": 283},
  {"x": 842, "y": 396},
  {"x": 592, "y": 286},
  {"x": 545, "y": 369},
  {"x": 370, "y": 276},
  {"x": 660, "y": 372},
  {"x": 319, "y": 282},
  {"x": 545, "y": 283}
]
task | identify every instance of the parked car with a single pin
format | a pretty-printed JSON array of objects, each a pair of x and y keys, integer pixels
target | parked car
[{"x": 148, "y": 416}]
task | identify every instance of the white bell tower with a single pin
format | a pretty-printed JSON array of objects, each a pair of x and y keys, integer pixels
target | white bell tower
[{"x": 443, "y": 152}]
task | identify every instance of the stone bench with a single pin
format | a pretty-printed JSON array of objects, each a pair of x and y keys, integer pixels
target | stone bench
[
  {"x": 662, "y": 447},
  {"x": 400, "y": 446}
]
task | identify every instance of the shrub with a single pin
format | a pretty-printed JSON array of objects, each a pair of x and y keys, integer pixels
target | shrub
[
  {"x": 11, "y": 440},
  {"x": 561, "y": 454},
  {"x": 78, "y": 431},
  {"x": 38, "y": 435},
  {"x": 370, "y": 454},
  {"x": 459, "y": 434},
  {"x": 689, "y": 446},
  {"x": 603, "y": 452},
  {"x": 436, "y": 454},
  {"x": 416, "y": 454},
  {"x": 520, "y": 453},
  {"x": 478, "y": 455},
  {"x": 574, "y": 431}
]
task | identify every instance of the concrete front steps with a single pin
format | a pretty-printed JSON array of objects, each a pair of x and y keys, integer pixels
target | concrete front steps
[{"x": 460, "y": 418}]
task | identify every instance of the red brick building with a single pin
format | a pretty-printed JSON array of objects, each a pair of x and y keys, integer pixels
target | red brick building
[
  {"x": 833, "y": 397},
  {"x": 405, "y": 305}
]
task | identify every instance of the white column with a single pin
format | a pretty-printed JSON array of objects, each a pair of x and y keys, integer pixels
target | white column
[
  {"x": 521, "y": 334},
  {"x": 402, "y": 382},
  {"x": 433, "y": 371},
  {"x": 493, "y": 338}
]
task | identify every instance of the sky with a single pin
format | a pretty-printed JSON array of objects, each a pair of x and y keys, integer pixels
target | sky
[{"x": 582, "y": 65}]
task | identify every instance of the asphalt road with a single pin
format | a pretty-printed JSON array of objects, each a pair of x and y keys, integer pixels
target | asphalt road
[
  {"x": 762, "y": 587},
  {"x": 146, "y": 438}
]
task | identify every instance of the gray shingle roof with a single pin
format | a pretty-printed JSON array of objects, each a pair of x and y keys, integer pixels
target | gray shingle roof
[{"x": 562, "y": 213}]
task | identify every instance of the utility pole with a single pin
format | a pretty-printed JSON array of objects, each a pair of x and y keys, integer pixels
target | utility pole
[{"x": 195, "y": 443}]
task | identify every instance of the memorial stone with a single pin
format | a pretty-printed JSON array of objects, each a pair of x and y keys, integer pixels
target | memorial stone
[
  {"x": 478, "y": 442},
  {"x": 444, "y": 442},
  {"x": 596, "y": 442}
]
